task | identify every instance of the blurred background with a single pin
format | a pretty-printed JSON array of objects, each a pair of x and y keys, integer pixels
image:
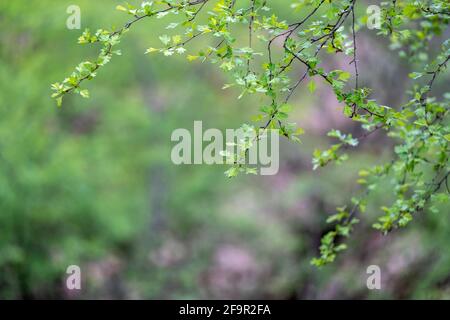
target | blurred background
[{"x": 92, "y": 183}]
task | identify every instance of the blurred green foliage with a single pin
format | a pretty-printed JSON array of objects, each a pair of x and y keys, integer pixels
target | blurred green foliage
[{"x": 92, "y": 184}]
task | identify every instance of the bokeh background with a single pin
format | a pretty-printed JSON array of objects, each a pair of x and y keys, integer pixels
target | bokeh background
[{"x": 92, "y": 183}]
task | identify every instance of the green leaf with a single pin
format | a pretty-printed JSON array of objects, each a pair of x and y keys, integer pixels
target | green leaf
[
  {"x": 312, "y": 86},
  {"x": 344, "y": 76},
  {"x": 232, "y": 172},
  {"x": 192, "y": 58},
  {"x": 150, "y": 50},
  {"x": 84, "y": 93},
  {"x": 59, "y": 101},
  {"x": 165, "y": 39},
  {"x": 415, "y": 75},
  {"x": 121, "y": 8},
  {"x": 286, "y": 108}
]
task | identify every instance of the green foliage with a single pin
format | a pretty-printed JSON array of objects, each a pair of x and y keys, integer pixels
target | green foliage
[
  {"x": 419, "y": 167},
  {"x": 74, "y": 182}
]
